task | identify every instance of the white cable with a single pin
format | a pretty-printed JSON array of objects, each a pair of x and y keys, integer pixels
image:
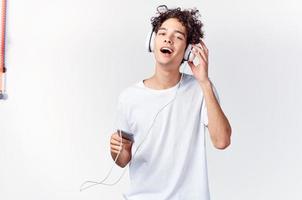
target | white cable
[
  {"x": 93, "y": 183},
  {"x": 102, "y": 182}
]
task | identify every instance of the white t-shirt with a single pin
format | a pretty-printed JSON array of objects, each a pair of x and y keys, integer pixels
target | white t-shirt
[{"x": 170, "y": 164}]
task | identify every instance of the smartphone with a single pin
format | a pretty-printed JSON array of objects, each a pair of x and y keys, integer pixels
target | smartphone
[{"x": 128, "y": 136}]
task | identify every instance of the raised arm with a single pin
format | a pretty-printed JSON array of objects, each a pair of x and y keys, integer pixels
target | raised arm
[{"x": 218, "y": 125}]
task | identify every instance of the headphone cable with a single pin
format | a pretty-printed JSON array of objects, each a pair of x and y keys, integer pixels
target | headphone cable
[{"x": 102, "y": 182}]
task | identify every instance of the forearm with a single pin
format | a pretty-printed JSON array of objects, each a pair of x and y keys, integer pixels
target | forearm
[{"x": 218, "y": 125}]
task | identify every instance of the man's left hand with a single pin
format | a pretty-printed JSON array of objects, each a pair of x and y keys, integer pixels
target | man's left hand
[{"x": 200, "y": 71}]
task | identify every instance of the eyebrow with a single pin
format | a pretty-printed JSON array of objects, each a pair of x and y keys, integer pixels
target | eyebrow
[{"x": 176, "y": 31}]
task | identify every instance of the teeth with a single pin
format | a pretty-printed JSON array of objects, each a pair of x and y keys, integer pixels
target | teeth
[{"x": 166, "y": 49}]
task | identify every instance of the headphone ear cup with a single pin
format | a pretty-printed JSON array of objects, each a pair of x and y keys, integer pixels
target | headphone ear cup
[
  {"x": 189, "y": 56},
  {"x": 150, "y": 41}
]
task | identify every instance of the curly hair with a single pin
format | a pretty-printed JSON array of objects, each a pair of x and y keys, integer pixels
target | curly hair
[{"x": 188, "y": 18}]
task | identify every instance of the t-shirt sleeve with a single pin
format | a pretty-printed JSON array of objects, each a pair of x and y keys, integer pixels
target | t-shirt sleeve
[
  {"x": 122, "y": 119},
  {"x": 204, "y": 113}
]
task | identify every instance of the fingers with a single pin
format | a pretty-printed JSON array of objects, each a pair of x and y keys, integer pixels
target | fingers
[
  {"x": 191, "y": 64},
  {"x": 117, "y": 137},
  {"x": 199, "y": 55},
  {"x": 204, "y": 46},
  {"x": 118, "y": 143},
  {"x": 115, "y": 141},
  {"x": 114, "y": 151},
  {"x": 201, "y": 51},
  {"x": 116, "y": 148}
]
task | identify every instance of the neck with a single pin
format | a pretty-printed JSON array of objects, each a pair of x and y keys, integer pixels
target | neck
[{"x": 163, "y": 79}]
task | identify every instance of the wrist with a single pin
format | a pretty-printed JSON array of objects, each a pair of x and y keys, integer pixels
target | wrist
[{"x": 205, "y": 83}]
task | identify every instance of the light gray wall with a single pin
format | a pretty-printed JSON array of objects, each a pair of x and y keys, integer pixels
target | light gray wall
[{"x": 68, "y": 60}]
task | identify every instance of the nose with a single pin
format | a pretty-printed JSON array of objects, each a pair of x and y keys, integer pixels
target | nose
[{"x": 168, "y": 40}]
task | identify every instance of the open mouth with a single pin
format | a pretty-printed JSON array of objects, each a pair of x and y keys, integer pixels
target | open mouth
[{"x": 166, "y": 50}]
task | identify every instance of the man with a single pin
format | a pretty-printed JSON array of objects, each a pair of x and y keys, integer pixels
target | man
[{"x": 167, "y": 114}]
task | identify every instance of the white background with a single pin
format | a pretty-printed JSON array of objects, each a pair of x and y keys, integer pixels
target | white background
[{"x": 68, "y": 60}]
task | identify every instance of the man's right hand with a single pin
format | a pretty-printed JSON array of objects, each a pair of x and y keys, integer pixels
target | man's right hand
[{"x": 117, "y": 143}]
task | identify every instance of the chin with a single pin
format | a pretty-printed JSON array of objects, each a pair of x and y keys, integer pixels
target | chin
[{"x": 164, "y": 61}]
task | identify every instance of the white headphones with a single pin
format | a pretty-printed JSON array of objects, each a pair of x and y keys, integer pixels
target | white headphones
[{"x": 188, "y": 56}]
